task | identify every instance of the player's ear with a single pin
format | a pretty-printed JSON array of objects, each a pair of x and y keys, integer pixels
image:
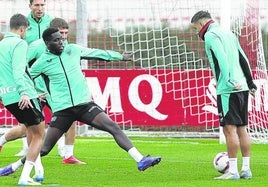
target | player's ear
[
  {"x": 22, "y": 29},
  {"x": 46, "y": 42}
]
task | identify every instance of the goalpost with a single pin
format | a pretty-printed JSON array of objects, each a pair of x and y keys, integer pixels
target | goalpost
[{"x": 164, "y": 46}]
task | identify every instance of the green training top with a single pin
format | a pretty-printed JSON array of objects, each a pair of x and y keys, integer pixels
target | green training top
[
  {"x": 67, "y": 83},
  {"x": 14, "y": 81},
  {"x": 223, "y": 50},
  {"x": 36, "y": 29}
]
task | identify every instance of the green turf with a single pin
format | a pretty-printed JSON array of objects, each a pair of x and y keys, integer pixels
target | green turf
[{"x": 185, "y": 163}]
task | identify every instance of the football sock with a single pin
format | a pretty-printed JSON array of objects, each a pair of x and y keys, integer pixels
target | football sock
[
  {"x": 2, "y": 140},
  {"x": 245, "y": 163},
  {"x": 69, "y": 151},
  {"x": 27, "y": 168},
  {"x": 38, "y": 167},
  {"x": 61, "y": 142},
  {"x": 24, "y": 143},
  {"x": 16, "y": 165},
  {"x": 135, "y": 154},
  {"x": 233, "y": 165}
]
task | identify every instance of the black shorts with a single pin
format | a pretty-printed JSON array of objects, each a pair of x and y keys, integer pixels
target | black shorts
[
  {"x": 85, "y": 113},
  {"x": 233, "y": 108},
  {"x": 27, "y": 116}
]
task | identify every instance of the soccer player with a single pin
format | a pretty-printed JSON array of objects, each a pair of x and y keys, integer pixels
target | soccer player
[
  {"x": 71, "y": 97},
  {"x": 39, "y": 21},
  {"x": 35, "y": 50},
  {"x": 234, "y": 81},
  {"x": 18, "y": 93}
]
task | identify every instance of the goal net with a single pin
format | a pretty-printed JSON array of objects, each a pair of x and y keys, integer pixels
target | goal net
[{"x": 166, "y": 48}]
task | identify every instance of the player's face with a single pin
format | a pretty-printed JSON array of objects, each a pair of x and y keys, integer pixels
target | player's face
[
  {"x": 64, "y": 33},
  {"x": 55, "y": 43},
  {"x": 37, "y": 7},
  {"x": 197, "y": 26}
]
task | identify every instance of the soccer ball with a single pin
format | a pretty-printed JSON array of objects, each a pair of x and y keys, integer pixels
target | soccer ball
[{"x": 221, "y": 162}]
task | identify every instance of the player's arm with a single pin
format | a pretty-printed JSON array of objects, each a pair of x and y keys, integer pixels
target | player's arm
[
  {"x": 35, "y": 50},
  {"x": 244, "y": 63},
  {"x": 31, "y": 53},
  {"x": 19, "y": 69},
  {"x": 19, "y": 66},
  {"x": 35, "y": 70},
  {"x": 108, "y": 55}
]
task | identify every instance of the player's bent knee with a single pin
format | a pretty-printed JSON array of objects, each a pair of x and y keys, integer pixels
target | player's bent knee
[{"x": 44, "y": 152}]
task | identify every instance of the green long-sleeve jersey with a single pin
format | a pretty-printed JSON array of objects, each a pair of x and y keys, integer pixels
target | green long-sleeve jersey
[
  {"x": 14, "y": 80},
  {"x": 224, "y": 54},
  {"x": 36, "y": 28},
  {"x": 67, "y": 83}
]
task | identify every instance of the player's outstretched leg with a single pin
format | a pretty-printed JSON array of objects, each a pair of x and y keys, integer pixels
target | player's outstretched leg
[{"x": 103, "y": 122}]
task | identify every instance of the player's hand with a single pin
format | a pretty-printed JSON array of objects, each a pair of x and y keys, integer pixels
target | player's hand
[
  {"x": 252, "y": 91},
  {"x": 127, "y": 56},
  {"x": 25, "y": 102},
  {"x": 42, "y": 97},
  {"x": 252, "y": 87},
  {"x": 237, "y": 87}
]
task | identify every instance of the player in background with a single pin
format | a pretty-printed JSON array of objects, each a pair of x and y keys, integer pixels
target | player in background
[
  {"x": 18, "y": 93},
  {"x": 39, "y": 21},
  {"x": 232, "y": 73},
  {"x": 71, "y": 96}
]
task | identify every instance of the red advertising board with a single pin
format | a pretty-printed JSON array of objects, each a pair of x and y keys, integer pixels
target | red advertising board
[{"x": 151, "y": 98}]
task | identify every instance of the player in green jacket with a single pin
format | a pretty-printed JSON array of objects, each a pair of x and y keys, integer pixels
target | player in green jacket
[
  {"x": 232, "y": 73},
  {"x": 36, "y": 48},
  {"x": 38, "y": 19},
  {"x": 38, "y": 22},
  {"x": 18, "y": 93}
]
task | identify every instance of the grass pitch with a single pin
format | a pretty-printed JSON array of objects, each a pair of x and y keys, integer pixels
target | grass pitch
[{"x": 185, "y": 163}]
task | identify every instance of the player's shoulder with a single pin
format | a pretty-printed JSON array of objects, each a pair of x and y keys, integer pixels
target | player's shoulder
[
  {"x": 46, "y": 56},
  {"x": 15, "y": 39},
  {"x": 72, "y": 46},
  {"x": 38, "y": 42}
]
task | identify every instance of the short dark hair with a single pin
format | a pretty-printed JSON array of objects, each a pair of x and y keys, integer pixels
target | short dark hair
[
  {"x": 48, "y": 32},
  {"x": 59, "y": 23},
  {"x": 31, "y": 1},
  {"x": 200, "y": 15},
  {"x": 18, "y": 20}
]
